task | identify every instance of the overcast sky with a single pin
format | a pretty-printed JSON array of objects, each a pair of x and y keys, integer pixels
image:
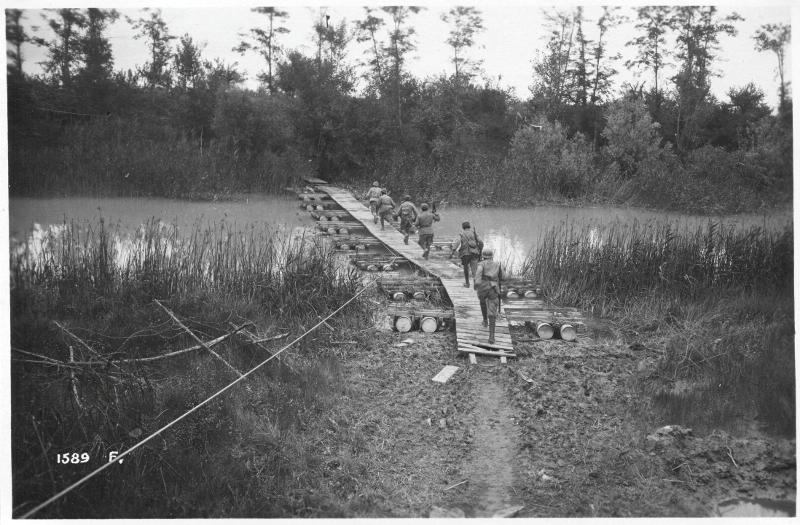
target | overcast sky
[{"x": 513, "y": 34}]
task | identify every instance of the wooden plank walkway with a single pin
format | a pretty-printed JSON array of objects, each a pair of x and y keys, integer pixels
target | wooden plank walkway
[{"x": 470, "y": 332}]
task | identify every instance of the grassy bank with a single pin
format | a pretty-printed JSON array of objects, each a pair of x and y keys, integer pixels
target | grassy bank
[
  {"x": 715, "y": 301},
  {"x": 238, "y": 456}
]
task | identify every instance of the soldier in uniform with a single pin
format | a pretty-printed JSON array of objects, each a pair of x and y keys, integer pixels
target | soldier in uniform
[
  {"x": 385, "y": 207},
  {"x": 488, "y": 283},
  {"x": 424, "y": 223},
  {"x": 374, "y": 195},
  {"x": 468, "y": 246},
  {"x": 408, "y": 215}
]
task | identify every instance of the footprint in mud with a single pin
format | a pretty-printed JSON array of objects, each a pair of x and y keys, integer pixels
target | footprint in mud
[{"x": 490, "y": 469}]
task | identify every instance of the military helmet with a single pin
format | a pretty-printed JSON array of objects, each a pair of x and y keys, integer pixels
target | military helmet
[
  {"x": 423, "y": 206},
  {"x": 406, "y": 197},
  {"x": 375, "y": 184}
]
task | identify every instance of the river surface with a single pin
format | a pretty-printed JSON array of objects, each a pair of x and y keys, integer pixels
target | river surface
[{"x": 511, "y": 232}]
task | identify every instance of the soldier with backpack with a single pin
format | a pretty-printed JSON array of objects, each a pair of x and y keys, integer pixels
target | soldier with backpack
[
  {"x": 385, "y": 207},
  {"x": 374, "y": 195},
  {"x": 425, "y": 222},
  {"x": 488, "y": 283},
  {"x": 469, "y": 247},
  {"x": 408, "y": 215}
]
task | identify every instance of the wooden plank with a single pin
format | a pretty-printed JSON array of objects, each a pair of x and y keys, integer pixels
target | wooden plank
[
  {"x": 445, "y": 374},
  {"x": 486, "y": 352},
  {"x": 472, "y": 359},
  {"x": 484, "y": 344}
]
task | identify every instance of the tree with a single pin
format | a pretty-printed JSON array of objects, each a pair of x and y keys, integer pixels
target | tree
[
  {"x": 775, "y": 38},
  {"x": 155, "y": 31},
  {"x": 633, "y": 138},
  {"x": 400, "y": 44},
  {"x": 188, "y": 66},
  {"x": 366, "y": 31},
  {"x": 550, "y": 68},
  {"x": 602, "y": 73},
  {"x": 15, "y": 37},
  {"x": 699, "y": 29},
  {"x": 98, "y": 59},
  {"x": 651, "y": 45},
  {"x": 264, "y": 41},
  {"x": 467, "y": 22},
  {"x": 579, "y": 74},
  {"x": 65, "y": 52}
]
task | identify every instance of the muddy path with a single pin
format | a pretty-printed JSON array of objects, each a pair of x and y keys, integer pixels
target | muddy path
[{"x": 490, "y": 466}]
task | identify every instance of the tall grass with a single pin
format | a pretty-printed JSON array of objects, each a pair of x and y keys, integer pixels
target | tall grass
[
  {"x": 101, "y": 285},
  {"x": 601, "y": 268},
  {"x": 716, "y": 300}
]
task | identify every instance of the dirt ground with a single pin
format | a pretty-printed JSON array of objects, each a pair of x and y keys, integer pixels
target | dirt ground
[{"x": 559, "y": 432}]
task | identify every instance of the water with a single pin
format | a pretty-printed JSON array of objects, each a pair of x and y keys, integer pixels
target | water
[
  {"x": 510, "y": 232},
  {"x": 756, "y": 508}
]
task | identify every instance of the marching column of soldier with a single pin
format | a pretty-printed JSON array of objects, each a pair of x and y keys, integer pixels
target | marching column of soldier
[{"x": 487, "y": 273}]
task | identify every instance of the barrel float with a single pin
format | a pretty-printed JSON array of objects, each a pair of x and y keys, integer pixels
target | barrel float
[
  {"x": 567, "y": 332},
  {"x": 403, "y": 323},
  {"x": 372, "y": 267},
  {"x": 344, "y": 246},
  {"x": 419, "y": 295},
  {"x": 361, "y": 246},
  {"x": 399, "y": 296},
  {"x": 319, "y": 207},
  {"x": 323, "y": 218},
  {"x": 332, "y": 230},
  {"x": 388, "y": 267},
  {"x": 429, "y": 324},
  {"x": 344, "y": 231},
  {"x": 531, "y": 294},
  {"x": 544, "y": 330},
  {"x": 309, "y": 208},
  {"x": 333, "y": 218},
  {"x": 512, "y": 294},
  {"x": 305, "y": 197}
]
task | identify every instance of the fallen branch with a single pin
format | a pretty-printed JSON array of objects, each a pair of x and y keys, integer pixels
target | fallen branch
[
  {"x": 197, "y": 338},
  {"x": 210, "y": 343},
  {"x": 107, "y": 360},
  {"x": 258, "y": 342},
  {"x": 74, "y": 380}
]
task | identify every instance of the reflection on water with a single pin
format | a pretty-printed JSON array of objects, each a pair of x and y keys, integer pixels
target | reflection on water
[
  {"x": 510, "y": 232},
  {"x": 756, "y": 508}
]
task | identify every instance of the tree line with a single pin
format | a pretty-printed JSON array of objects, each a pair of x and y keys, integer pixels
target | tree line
[{"x": 183, "y": 125}]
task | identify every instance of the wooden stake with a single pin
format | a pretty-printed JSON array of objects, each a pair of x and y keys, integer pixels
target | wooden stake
[{"x": 197, "y": 338}]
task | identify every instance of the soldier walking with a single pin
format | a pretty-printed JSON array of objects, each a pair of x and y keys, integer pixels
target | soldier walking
[
  {"x": 424, "y": 223},
  {"x": 488, "y": 283},
  {"x": 408, "y": 215},
  {"x": 374, "y": 195},
  {"x": 385, "y": 207},
  {"x": 469, "y": 247}
]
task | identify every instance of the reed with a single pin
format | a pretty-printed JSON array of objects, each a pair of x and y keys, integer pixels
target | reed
[{"x": 716, "y": 300}]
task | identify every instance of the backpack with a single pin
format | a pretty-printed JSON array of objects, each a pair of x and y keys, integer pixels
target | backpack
[
  {"x": 473, "y": 243},
  {"x": 407, "y": 210}
]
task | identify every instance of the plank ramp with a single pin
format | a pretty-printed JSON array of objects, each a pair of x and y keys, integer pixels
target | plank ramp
[{"x": 470, "y": 332}]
